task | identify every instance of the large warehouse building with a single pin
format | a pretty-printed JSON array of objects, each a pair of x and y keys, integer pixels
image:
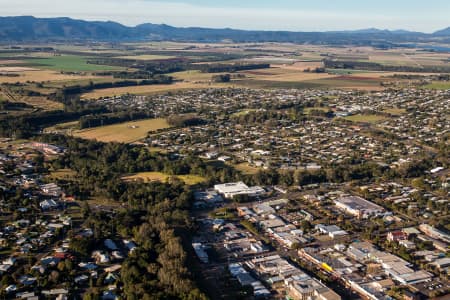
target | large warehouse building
[
  {"x": 358, "y": 206},
  {"x": 229, "y": 190}
]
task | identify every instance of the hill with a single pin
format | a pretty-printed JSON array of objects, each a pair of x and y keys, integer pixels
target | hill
[{"x": 28, "y": 28}]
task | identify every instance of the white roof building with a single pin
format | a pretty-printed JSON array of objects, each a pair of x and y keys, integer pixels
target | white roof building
[{"x": 230, "y": 190}]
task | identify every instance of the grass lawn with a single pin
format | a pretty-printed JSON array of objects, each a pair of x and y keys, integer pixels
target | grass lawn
[
  {"x": 365, "y": 118},
  {"x": 189, "y": 179},
  {"x": 246, "y": 169},
  {"x": 63, "y": 174},
  {"x": 69, "y": 63},
  {"x": 124, "y": 132}
]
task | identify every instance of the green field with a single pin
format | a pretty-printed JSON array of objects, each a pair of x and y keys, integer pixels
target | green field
[
  {"x": 124, "y": 132},
  {"x": 146, "y": 57},
  {"x": 68, "y": 63},
  {"x": 395, "y": 111},
  {"x": 365, "y": 118},
  {"x": 438, "y": 86},
  {"x": 189, "y": 179}
]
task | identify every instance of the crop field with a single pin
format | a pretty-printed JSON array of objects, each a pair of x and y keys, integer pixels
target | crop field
[
  {"x": 70, "y": 63},
  {"x": 188, "y": 179},
  {"x": 365, "y": 118},
  {"x": 124, "y": 132}
]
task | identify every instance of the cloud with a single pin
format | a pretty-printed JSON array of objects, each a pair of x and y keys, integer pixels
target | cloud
[{"x": 133, "y": 12}]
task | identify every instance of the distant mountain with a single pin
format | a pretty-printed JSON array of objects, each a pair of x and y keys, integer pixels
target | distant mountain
[
  {"x": 443, "y": 32},
  {"x": 27, "y": 28}
]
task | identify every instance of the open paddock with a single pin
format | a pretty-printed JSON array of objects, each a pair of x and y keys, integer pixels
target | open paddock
[
  {"x": 127, "y": 132},
  {"x": 69, "y": 63},
  {"x": 188, "y": 179},
  {"x": 365, "y": 118},
  {"x": 42, "y": 76},
  {"x": 146, "y": 57}
]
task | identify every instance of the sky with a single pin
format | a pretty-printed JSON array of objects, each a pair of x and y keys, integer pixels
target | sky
[{"x": 293, "y": 15}]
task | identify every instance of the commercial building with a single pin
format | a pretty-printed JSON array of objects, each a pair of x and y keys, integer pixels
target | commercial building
[
  {"x": 358, "y": 206},
  {"x": 434, "y": 233},
  {"x": 230, "y": 190}
]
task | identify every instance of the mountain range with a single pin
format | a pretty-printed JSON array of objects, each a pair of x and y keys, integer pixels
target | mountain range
[{"x": 28, "y": 28}]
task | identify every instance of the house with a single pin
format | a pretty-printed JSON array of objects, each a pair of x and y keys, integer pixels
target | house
[
  {"x": 110, "y": 244},
  {"x": 51, "y": 189},
  {"x": 395, "y": 236},
  {"x": 49, "y": 204}
]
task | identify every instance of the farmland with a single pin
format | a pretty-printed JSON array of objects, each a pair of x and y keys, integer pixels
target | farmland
[
  {"x": 36, "y": 75},
  {"x": 146, "y": 57},
  {"x": 124, "y": 132},
  {"x": 68, "y": 63}
]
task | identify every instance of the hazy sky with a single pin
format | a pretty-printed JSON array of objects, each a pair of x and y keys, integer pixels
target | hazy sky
[{"x": 296, "y": 15}]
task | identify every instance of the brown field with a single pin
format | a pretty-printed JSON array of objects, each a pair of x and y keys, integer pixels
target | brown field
[
  {"x": 301, "y": 65},
  {"x": 124, "y": 132},
  {"x": 6, "y": 62},
  {"x": 246, "y": 169},
  {"x": 42, "y": 103},
  {"x": 42, "y": 76},
  {"x": 16, "y": 69},
  {"x": 285, "y": 74}
]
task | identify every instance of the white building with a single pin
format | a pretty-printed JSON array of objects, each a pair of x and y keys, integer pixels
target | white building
[
  {"x": 230, "y": 190},
  {"x": 358, "y": 206}
]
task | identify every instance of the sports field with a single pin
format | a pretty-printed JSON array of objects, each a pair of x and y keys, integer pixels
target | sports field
[{"x": 124, "y": 132}]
